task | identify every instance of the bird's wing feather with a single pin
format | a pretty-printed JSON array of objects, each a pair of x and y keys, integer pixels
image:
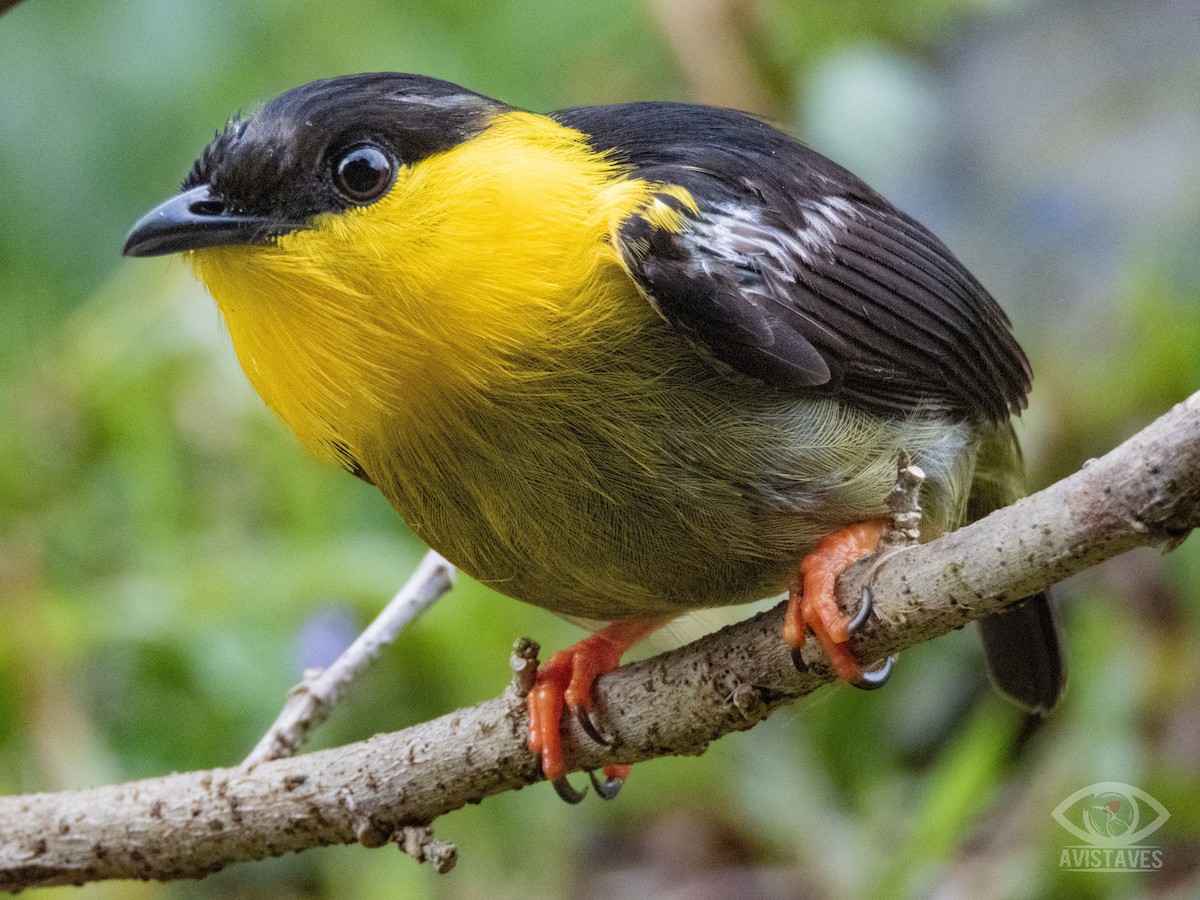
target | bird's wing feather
[{"x": 788, "y": 269}]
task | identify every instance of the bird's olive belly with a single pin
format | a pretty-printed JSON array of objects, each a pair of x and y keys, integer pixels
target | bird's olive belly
[{"x": 638, "y": 506}]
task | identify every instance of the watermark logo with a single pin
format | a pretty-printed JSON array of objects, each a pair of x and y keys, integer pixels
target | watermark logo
[{"x": 1112, "y": 820}]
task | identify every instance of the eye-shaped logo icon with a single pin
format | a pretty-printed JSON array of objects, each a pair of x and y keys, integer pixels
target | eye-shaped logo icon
[{"x": 1111, "y": 814}]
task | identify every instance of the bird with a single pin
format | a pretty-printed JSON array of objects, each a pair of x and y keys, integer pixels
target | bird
[{"x": 621, "y": 362}]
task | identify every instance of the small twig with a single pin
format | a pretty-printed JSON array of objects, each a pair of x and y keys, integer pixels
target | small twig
[
  {"x": 310, "y": 702},
  {"x": 524, "y": 665},
  {"x": 903, "y": 529},
  {"x": 419, "y": 843},
  {"x": 904, "y": 507}
]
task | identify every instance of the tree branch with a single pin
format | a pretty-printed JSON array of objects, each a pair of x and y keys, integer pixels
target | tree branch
[{"x": 385, "y": 789}]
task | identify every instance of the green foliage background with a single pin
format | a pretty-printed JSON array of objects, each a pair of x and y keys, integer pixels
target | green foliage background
[{"x": 170, "y": 560}]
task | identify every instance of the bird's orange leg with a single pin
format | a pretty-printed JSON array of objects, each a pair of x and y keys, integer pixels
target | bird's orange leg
[
  {"x": 565, "y": 682},
  {"x": 811, "y": 603}
]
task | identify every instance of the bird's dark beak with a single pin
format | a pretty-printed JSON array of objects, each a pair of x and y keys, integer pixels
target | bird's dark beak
[{"x": 195, "y": 219}]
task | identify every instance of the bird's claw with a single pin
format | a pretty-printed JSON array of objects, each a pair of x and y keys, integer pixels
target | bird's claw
[
  {"x": 798, "y": 660},
  {"x": 606, "y": 788},
  {"x": 609, "y": 787},
  {"x": 865, "y": 607},
  {"x": 876, "y": 677},
  {"x": 566, "y": 790},
  {"x": 589, "y": 727}
]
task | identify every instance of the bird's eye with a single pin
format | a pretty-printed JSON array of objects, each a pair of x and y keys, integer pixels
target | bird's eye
[{"x": 364, "y": 174}]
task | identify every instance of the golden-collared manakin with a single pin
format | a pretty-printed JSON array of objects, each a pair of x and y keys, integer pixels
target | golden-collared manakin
[{"x": 621, "y": 362}]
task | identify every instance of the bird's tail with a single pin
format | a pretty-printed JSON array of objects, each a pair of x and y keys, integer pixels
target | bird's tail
[{"x": 1024, "y": 656}]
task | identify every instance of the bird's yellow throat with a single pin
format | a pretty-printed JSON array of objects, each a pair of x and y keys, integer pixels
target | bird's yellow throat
[{"x": 483, "y": 263}]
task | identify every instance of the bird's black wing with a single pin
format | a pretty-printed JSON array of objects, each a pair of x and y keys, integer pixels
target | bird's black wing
[{"x": 791, "y": 270}]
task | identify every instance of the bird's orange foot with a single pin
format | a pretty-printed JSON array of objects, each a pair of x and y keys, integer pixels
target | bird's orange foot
[
  {"x": 565, "y": 682},
  {"x": 811, "y": 604}
]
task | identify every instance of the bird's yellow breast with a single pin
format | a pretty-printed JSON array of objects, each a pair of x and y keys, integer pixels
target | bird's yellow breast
[{"x": 482, "y": 264}]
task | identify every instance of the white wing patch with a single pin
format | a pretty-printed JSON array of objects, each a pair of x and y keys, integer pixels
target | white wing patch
[{"x": 738, "y": 236}]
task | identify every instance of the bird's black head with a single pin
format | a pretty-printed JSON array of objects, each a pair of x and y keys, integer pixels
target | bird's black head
[{"x": 323, "y": 147}]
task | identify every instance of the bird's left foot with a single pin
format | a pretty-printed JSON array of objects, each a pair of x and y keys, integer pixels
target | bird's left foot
[
  {"x": 812, "y": 607},
  {"x": 565, "y": 683}
]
